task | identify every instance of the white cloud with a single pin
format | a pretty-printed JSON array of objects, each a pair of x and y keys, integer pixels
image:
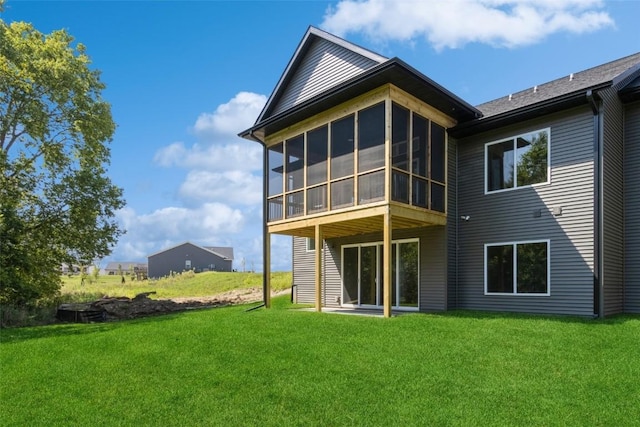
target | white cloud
[
  {"x": 231, "y": 118},
  {"x": 235, "y": 187},
  {"x": 454, "y": 23},
  {"x": 219, "y": 148},
  {"x": 177, "y": 223},
  {"x": 209, "y": 223},
  {"x": 239, "y": 155}
]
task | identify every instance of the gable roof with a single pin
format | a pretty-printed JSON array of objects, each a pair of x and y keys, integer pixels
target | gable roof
[
  {"x": 326, "y": 71},
  {"x": 220, "y": 251},
  {"x": 321, "y": 61},
  {"x": 555, "y": 95}
]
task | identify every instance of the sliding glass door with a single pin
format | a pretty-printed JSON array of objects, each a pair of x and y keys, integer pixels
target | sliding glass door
[{"x": 362, "y": 267}]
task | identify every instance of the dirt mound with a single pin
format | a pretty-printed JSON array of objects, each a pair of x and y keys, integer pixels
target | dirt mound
[{"x": 119, "y": 308}]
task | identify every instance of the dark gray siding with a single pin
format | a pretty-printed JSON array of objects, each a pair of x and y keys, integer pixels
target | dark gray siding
[
  {"x": 453, "y": 217},
  {"x": 324, "y": 66},
  {"x": 173, "y": 260},
  {"x": 509, "y": 216},
  {"x": 331, "y": 263},
  {"x": 433, "y": 268},
  {"x": 304, "y": 274},
  {"x": 613, "y": 206},
  {"x": 303, "y": 268},
  {"x": 632, "y": 207}
]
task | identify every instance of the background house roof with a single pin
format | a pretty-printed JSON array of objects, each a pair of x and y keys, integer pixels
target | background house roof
[{"x": 221, "y": 251}]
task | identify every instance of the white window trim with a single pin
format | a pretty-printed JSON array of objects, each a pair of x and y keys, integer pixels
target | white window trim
[
  {"x": 515, "y": 182},
  {"x": 378, "y": 245},
  {"x": 308, "y": 247},
  {"x": 515, "y": 264}
]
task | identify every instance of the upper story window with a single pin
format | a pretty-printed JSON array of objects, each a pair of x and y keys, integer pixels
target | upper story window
[
  {"x": 418, "y": 156},
  {"x": 516, "y": 162}
]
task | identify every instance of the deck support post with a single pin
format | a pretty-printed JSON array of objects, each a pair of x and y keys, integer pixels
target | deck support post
[
  {"x": 318, "y": 266},
  {"x": 386, "y": 259},
  {"x": 266, "y": 279}
]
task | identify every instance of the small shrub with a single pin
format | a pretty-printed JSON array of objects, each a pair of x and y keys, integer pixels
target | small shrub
[{"x": 13, "y": 316}]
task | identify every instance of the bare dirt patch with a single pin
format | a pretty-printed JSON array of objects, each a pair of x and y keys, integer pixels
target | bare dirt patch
[{"x": 119, "y": 308}]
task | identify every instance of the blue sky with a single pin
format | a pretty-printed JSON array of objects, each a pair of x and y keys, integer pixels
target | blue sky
[{"x": 183, "y": 78}]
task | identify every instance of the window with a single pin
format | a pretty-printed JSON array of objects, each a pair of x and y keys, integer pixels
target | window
[
  {"x": 275, "y": 161},
  {"x": 517, "y": 268},
  {"x": 437, "y": 152},
  {"x": 400, "y": 138},
  {"x": 276, "y": 165},
  {"x": 419, "y": 161},
  {"x": 420, "y": 146},
  {"x": 363, "y": 269},
  {"x": 517, "y": 162},
  {"x": 371, "y": 187},
  {"x": 295, "y": 204},
  {"x": 342, "y": 147},
  {"x": 311, "y": 244},
  {"x": 317, "y": 199},
  {"x": 317, "y": 153},
  {"x": 371, "y": 128},
  {"x": 294, "y": 167},
  {"x": 342, "y": 193}
]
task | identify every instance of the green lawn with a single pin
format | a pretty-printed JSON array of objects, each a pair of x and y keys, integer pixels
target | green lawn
[
  {"x": 181, "y": 285},
  {"x": 282, "y": 367}
]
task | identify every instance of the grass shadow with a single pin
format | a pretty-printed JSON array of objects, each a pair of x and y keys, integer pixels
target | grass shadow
[
  {"x": 12, "y": 335},
  {"x": 489, "y": 315}
]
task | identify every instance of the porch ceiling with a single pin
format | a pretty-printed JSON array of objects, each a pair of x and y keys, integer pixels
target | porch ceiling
[{"x": 359, "y": 221}]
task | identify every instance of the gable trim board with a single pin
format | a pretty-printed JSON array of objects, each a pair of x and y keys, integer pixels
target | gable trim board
[{"x": 582, "y": 211}]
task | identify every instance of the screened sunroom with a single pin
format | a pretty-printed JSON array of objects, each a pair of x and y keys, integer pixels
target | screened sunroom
[
  {"x": 355, "y": 144},
  {"x": 377, "y": 154},
  {"x": 375, "y": 164}
]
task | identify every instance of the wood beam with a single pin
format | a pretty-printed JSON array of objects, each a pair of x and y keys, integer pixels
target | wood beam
[{"x": 400, "y": 210}]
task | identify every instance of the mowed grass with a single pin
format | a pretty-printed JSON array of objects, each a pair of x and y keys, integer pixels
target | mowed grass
[
  {"x": 283, "y": 367},
  {"x": 181, "y": 285}
]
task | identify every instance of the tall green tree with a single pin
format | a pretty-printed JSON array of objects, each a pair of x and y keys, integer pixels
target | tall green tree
[{"x": 57, "y": 204}]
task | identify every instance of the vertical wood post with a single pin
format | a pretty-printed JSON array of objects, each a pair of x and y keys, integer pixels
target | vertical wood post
[
  {"x": 266, "y": 280},
  {"x": 386, "y": 259},
  {"x": 318, "y": 269}
]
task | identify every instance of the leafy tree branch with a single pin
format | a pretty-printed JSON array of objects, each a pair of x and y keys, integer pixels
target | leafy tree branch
[{"x": 57, "y": 204}]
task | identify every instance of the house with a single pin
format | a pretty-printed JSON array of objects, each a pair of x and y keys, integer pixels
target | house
[
  {"x": 69, "y": 269},
  {"x": 126, "y": 267},
  {"x": 187, "y": 256},
  {"x": 400, "y": 195}
]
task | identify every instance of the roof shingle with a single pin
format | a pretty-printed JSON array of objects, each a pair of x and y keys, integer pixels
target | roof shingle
[{"x": 600, "y": 75}]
